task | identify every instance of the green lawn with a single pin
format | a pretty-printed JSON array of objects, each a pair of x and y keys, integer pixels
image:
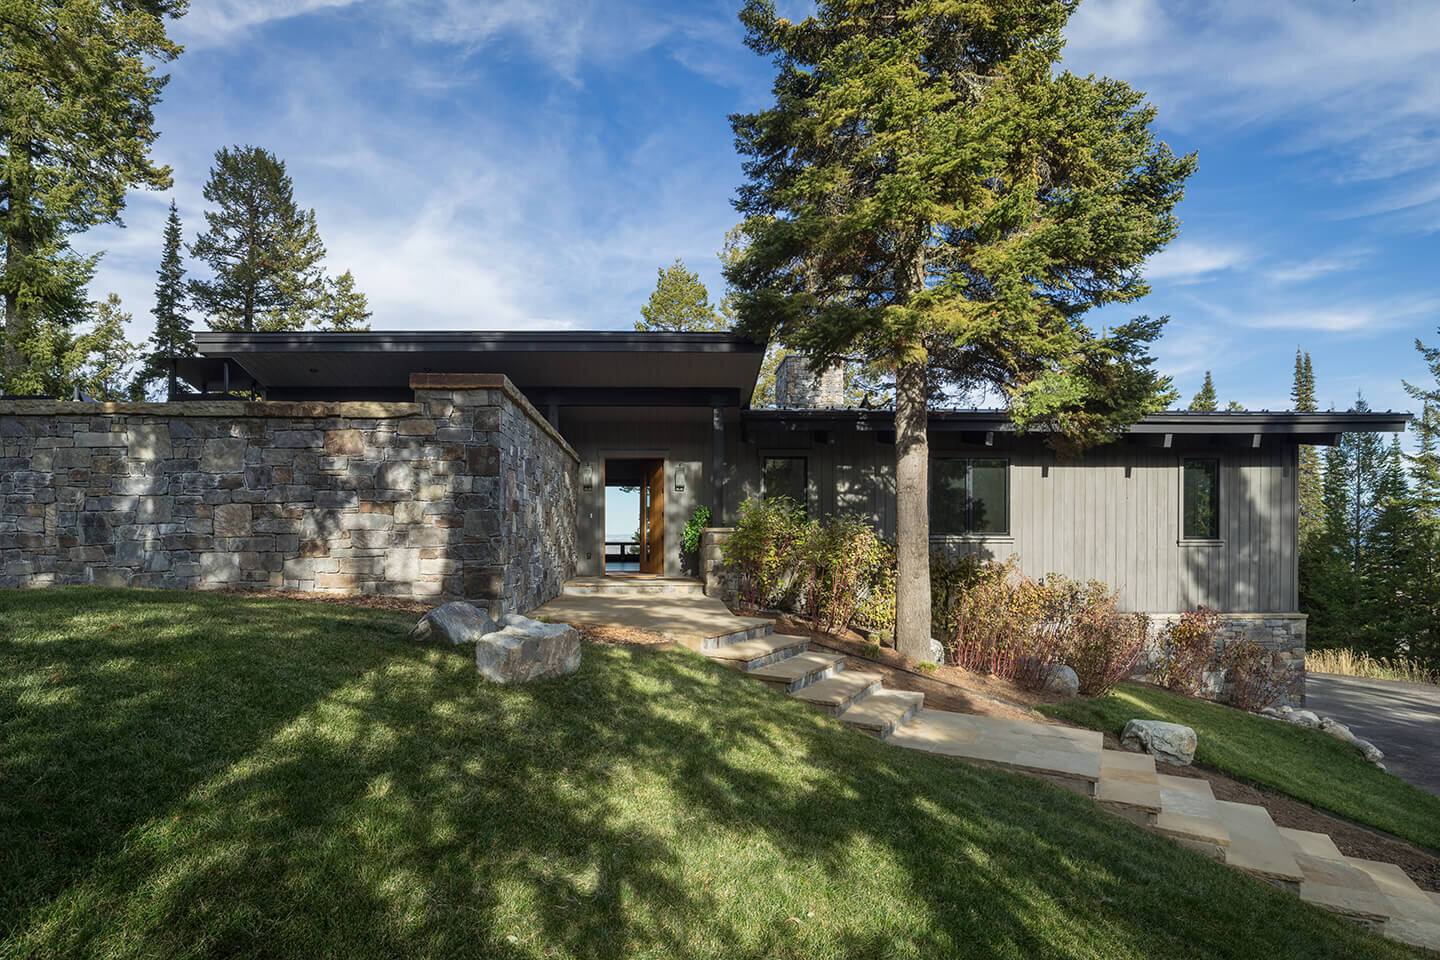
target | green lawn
[
  {"x": 200, "y": 775},
  {"x": 1307, "y": 764}
]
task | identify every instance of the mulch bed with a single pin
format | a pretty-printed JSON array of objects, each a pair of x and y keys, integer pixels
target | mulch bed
[{"x": 622, "y": 636}]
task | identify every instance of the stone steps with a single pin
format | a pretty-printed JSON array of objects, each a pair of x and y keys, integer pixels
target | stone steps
[
  {"x": 838, "y": 693},
  {"x": 1127, "y": 784},
  {"x": 882, "y": 711},
  {"x": 1256, "y": 845},
  {"x": 634, "y": 586},
  {"x": 800, "y": 671},
  {"x": 757, "y": 651},
  {"x": 1128, "y": 787},
  {"x": 1189, "y": 815}
]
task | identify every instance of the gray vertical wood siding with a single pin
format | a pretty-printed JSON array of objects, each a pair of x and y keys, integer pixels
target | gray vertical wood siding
[{"x": 1082, "y": 518}]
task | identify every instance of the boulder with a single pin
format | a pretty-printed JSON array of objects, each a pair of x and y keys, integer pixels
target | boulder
[
  {"x": 1062, "y": 680},
  {"x": 1171, "y": 743},
  {"x": 1371, "y": 752},
  {"x": 453, "y": 624},
  {"x": 525, "y": 650},
  {"x": 1336, "y": 729},
  {"x": 1305, "y": 718}
]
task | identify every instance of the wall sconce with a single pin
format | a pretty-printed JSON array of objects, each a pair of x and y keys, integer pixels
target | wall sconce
[
  {"x": 679, "y": 477},
  {"x": 587, "y": 475}
]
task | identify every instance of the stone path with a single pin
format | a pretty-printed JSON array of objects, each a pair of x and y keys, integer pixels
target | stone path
[{"x": 1126, "y": 784}]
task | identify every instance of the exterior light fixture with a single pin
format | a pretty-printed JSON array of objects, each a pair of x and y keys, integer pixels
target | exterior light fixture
[
  {"x": 679, "y": 476},
  {"x": 587, "y": 475}
]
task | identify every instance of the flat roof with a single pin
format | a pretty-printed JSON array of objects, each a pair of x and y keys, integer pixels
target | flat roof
[
  {"x": 533, "y": 360},
  {"x": 1316, "y": 427}
]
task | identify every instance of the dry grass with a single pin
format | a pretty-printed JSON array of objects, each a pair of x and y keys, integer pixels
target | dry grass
[{"x": 1350, "y": 663}]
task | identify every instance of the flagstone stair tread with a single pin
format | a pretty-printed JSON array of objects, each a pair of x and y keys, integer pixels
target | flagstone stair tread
[
  {"x": 1004, "y": 743},
  {"x": 1188, "y": 811},
  {"x": 756, "y": 649},
  {"x": 841, "y": 690},
  {"x": 1256, "y": 846},
  {"x": 883, "y": 711},
  {"x": 1310, "y": 843},
  {"x": 798, "y": 667}
]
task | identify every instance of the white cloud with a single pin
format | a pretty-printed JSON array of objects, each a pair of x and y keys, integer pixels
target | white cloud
[
  {"x": 1300, "y": 271},
  {"x": 1188, "y": 262},
  {"x": 212, "y": 22},
  {"x": 1356, "y": 317}
]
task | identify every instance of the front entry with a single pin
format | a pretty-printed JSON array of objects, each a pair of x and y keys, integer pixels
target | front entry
[{"x": 635, "y": 500}]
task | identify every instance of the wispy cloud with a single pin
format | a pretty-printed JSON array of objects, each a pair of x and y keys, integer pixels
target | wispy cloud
[
  {"x": 1187, "y": 261},
  {"x": 1360, "y": 317},
  {"x": 1301, "y": 271},
  {"x": 213, "y": 22}
]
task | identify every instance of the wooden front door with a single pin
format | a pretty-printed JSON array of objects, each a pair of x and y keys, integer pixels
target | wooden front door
[{"x": 652, "y": 515}]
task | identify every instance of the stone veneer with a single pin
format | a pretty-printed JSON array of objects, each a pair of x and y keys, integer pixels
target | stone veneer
[
  {"x": 466, "y": 493},
  {"x": 1282, "y": 634}
]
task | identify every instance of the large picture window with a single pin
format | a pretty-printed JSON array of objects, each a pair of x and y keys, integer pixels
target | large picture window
[
  {"x": 969, "y": 497},
  {"x": 1201, "y": 500},
  {"x": 785, "y": 477}
]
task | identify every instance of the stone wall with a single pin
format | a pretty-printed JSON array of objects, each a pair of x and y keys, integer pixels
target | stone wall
[
  {"x": 797, "y": 386},
  {"x": 1282, "y": 634},
  {"x": 721, "y": 580},
  {"x": 465, "y": 493}
]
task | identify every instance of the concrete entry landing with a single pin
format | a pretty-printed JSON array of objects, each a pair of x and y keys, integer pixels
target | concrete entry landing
[{"x": 686, "y": 616}]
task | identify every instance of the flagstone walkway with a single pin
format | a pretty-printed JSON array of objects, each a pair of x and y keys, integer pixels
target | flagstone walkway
[{"x": 1240, "y": 835}]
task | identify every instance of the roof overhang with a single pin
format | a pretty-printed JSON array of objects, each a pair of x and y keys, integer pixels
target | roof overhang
[
  {"x": 1160, "y": 428},
  {"x": 563, "y": 366}
]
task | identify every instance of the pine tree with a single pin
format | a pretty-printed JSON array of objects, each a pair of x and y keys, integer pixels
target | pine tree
[
  {"x": 79, "y": 87},
  {"x": 1329, "y": 586},
  {"x": 343, "y": 308},
  {"x": 1302, "y": 398},
  {"x": 172, "y": 336},
  {"x": 263, "y": 249},
  {"x": 929, "y": 192},
  {"x": 1206, "y": 399},
  {"x": 1366, "y": 456},
  {"x": 679, "y": 302},
  {"x": 1425, "y": 475},
  {"x": 110, "y": 359}
]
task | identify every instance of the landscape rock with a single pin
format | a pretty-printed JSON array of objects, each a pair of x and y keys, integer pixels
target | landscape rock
[
  {"x": 937, "y": 651},
  {"x": 526, "y": 650},
  {"x": 1172, "y": 743},
  {"x": 1062, "y": 679},
  {"x": 1305, "y": 718},
  {"x": 454, "y": 623},
  {"x": 1369, "y": 750},
  {"x": 1336, "y": 729}
]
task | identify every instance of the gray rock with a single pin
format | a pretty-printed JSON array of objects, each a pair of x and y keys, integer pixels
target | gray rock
[
  {"x": 1369, "y": 750},
  {"x": 526, "y": 650},
  {"x": 1336, "y": 729},
  {"x": 937, "y": 651},
  {"x": 1171, "y": 743},
  {"x": 453, "y": 624},
  {"x": 1063, "y": 680},
  {"x": 1305, "y": 718}
]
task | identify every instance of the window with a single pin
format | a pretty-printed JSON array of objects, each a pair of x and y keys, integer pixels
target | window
[
  {"x": 785, "y": 477},
  {"x": 1201, "y": 500},
  {"x": 970, "y": 497}
]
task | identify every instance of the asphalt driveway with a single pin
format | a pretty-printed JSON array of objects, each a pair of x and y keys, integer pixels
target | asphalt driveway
[{"x": 1402, "y": 719}]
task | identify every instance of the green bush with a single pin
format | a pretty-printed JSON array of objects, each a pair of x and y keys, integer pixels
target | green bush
[
  {"x": 762, "y": 548},
  {"x": 696, "y": 525},
  {"x": 1185, "y": 649}
]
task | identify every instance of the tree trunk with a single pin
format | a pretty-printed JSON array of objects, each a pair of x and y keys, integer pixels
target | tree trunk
[
  {"x": 17, "y": 251},
  {"x": 912, "y": 511}
]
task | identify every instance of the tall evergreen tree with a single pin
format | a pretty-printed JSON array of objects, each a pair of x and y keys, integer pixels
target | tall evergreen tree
[
  {"x": 79, "y": 87},
  {"x": 262, "y": 248},
  {"x": 172, "y": 336},
  {"x": 1302, "y": 398},
  {"x": 1365, "y": 455},
  {"x": 1206, "y": 399},
  {"x": 1329, "y": 585},
  {"x": 342, "y": 307},
  {"x": 679, "y": 302},
  {"x": 929, "y": 192}
]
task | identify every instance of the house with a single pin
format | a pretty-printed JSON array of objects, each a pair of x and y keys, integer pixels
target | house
[{"x": 477, "y": 464}]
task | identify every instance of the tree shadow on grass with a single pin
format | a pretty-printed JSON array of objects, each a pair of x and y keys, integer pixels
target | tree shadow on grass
[{"x": 651, "y": 805}]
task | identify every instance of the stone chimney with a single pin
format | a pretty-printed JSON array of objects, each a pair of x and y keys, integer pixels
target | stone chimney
[{"x": 796, "y": 386}]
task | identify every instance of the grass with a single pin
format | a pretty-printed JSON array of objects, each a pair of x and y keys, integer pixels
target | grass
[
  {"x": 1306, "y": 764},
  {"x": 196, "y": 775},
  {"x": 1351, "y": 663}
]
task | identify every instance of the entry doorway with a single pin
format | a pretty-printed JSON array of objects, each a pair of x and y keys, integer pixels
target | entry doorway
[{"x": 634, "y": 500}]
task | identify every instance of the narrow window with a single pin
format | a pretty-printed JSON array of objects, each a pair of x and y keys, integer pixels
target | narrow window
[
  {"x": 1201, "y": 500},
  {"x": 785, "y": 477},
  {"x": 969, "y": 497}
]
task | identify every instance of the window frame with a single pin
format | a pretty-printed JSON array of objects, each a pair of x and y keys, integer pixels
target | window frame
[
  {"x": 765, "y": 458},
  {"x": 1218, "y": 537},
  {"x": 969, "y": 532}
]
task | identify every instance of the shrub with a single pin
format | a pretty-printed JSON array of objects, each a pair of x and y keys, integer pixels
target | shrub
[
  {"x": 1254, "y": 682},
  {"x": 762, "y": 548},
  {"x": 1105, "y": 643},
  {"x": 1186, "y": 649},
  {"x": 697, "y": 523}
]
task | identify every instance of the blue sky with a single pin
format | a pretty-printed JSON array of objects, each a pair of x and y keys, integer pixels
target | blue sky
[{"x": 530, "y": 163}]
